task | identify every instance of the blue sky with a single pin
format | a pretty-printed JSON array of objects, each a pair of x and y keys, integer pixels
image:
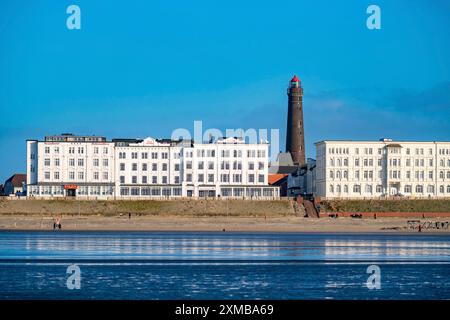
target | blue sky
[{"x": 144, "y": 68}]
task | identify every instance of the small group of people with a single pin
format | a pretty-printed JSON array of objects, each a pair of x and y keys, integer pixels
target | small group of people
[{"x": 57, "y": 223}]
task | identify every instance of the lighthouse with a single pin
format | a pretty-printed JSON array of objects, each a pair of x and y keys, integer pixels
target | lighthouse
[{"x": 295, "y": 135}]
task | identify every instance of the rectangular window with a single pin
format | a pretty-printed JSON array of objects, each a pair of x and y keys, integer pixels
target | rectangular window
[
  {"x": 122, "y": 179},
  {"x": 225, "y": 165}
]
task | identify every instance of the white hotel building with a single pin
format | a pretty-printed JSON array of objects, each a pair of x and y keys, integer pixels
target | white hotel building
[
  {"x": 92, "y": 167},
  {"x": 373, "y": 169}
]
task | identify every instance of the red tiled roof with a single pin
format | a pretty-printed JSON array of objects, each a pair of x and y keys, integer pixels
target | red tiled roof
[
  {"x": 17, "y": 179},
  {"x": 273, "y": 178}
]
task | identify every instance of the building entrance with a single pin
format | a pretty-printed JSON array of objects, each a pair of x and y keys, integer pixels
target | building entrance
[{"x": 71, "y": 190}]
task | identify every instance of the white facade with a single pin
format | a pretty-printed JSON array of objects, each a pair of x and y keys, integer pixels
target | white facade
[
  {"x": 134, "y": 169},
  {"x": 373, "y": 169}
]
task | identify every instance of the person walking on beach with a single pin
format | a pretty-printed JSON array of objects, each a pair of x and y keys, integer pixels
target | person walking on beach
[{"x": 57, "y": 223}]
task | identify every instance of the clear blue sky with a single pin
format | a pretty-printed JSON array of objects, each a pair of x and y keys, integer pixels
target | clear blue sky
[{"x": 144, "y": 68}]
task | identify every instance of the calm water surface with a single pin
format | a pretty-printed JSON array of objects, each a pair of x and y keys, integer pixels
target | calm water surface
[{"x": 208, "y": 265}]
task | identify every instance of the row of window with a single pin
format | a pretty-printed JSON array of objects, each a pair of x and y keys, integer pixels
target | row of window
[
  {"x": 145, "y": 167},
  {"x": 145, "y": 155},
  {"x": 368, "y": 174},
  {"x": 444, "y": 151},
  {"x": 145, "y": 180},
  {"x": 80, "y": 175},
  {"x": 392, "y": 162},
  {"x": 201, "y": 153},
  {"x": 80, "y": 162},
  {"x": 149, "y": 191},
  {"x": 393, "y": 174},
  {"x": 201, "y": 178},
  {"x": 72, "y": 150},
  {"x": 225, "y": 165},
  {"x": 81, "y": 190},
  {"x": 407, "y": 189},
  {"x": 368, "y": 151},
  {"x": 175, "y": 191}
]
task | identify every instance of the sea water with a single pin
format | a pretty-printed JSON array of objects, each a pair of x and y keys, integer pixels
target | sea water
[{"x": 222, "y": 265}]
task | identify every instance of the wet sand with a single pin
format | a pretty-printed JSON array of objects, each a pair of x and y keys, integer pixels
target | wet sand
[{"x": 220, "y": 223}]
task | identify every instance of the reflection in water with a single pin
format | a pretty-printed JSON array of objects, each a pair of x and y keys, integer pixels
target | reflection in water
[
  {"x": 196, "y": 265},
  {"x": 217, "y": 246},
  {"x": 390, "y": 249}
]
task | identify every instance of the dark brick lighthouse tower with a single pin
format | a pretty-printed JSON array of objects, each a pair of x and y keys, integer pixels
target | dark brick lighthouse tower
[{"x": 295, "y": 135}]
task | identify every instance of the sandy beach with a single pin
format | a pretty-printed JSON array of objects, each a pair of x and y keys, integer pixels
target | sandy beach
[{"x": 229, "y": 224}]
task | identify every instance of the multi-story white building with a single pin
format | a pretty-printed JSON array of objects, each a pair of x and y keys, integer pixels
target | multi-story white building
[
  {"x": 91, "y": 167},
  {"x": 370, "y": 169}
]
